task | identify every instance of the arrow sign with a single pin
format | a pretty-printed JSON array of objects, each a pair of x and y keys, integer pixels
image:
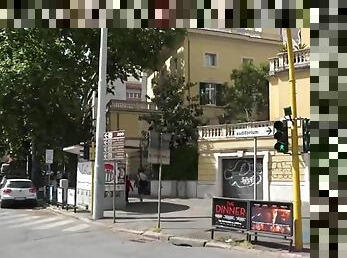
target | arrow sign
[
  {"x": 269, "y": 130},
  {"x": 253, "y": 132}
]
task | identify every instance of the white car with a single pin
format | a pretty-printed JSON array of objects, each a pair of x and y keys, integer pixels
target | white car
[{"x": 17, "y": 190}]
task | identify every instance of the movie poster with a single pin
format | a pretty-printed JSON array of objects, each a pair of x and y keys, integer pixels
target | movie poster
[
  {"x": 230, "y": 213},
  {"x": 272, "y": 217}
]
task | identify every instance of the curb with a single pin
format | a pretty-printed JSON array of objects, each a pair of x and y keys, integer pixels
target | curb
[
  {"x": 175, "y": 240},
  {"x": 216, "y": 244},
  {"x": 157, "y": 236},
  {"x": 185, "y": 241}
]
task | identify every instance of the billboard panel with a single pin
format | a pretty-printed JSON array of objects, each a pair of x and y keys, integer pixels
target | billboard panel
[
  {"x": 230, "y": 213},
  {"x": 272, "y": 217}
]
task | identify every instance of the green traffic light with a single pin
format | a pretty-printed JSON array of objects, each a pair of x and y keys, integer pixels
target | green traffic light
[{"x": 282, "y": 147}]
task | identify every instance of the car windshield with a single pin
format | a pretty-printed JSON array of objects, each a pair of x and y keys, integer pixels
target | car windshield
[{"x": 20, "y": 184}]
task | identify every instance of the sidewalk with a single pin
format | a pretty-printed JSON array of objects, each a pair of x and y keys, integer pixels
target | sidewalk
[{"x": 189, "y": 220}]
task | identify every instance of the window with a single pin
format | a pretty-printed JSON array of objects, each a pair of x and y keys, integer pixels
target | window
[
  {"x": 210, "y": 59},
  {"x": 133, "y": 94},
  {"x": 20, "y": 184},
  {"x": 211, "y": 94},
  {"x": 247, "y": 60}
]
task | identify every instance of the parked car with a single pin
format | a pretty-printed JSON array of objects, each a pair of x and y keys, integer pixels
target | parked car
[{"x": 18, "y": 190}]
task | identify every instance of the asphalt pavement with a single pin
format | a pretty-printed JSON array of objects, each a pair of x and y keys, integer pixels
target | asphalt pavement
[{"x": 32, "y": 233}]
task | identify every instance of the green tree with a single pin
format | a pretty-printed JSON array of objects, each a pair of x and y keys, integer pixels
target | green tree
[
  {"x": 247, "y": 98},
  {"x": 47, "y": 77},
  {"x": 176, "y": 115}
]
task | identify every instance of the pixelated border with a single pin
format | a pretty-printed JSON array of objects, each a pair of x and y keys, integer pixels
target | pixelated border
[
  {"x": 326, "y": 114},
  {"x": 154, "y": 13}
]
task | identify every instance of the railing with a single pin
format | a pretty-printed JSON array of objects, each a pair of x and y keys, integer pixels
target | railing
[
  {"x": 280, "y": 62},
  {"x": 227, "y": 130},
  {"x": 131, "y": 105}
]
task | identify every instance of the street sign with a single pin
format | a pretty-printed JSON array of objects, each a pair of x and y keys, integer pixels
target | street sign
[
  {"x": 49, "y": 156},
  {"x": 114, "y": 143},
  {"x": 254, "y": 132},
  {"x": 159, "y": 149}
]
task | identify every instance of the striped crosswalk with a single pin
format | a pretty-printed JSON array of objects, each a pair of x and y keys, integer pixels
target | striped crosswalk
[{"x": 28, "y": 220}]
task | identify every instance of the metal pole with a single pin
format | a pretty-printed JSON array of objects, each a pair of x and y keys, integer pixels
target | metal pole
[
  {"x": 49, "y": 174},
  {"x": 295, "y": 149},
  {"x": 159, "y": 183},
  {"x": 255, "y": 168},
  {"x": 114, "y": 191},
  {"x": 99, "y": 178}
]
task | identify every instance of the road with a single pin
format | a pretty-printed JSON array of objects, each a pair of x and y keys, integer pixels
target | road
[{"x": 30, "y": 233}]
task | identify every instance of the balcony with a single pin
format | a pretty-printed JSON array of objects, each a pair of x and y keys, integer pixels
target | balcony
[
  {"x": 226, "y": 131},
  {"x": 280, "y": 62},
  {"x": 136, "y": 106}
]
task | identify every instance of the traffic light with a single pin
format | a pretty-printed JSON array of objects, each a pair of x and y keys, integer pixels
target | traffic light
[
  {"x": 306, "y": 135},
  {"x": 281, "y": 135},
  {"x": 84, "y": 153}
]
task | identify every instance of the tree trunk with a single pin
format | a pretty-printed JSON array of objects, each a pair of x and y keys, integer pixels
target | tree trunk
[{"x": 35, "y": 165}]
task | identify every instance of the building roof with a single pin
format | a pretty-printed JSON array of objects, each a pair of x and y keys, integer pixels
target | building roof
[{"x": 133, "y": 85}]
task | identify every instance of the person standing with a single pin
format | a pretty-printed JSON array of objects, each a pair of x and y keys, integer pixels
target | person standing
[
  {"x": 128, "y": 186},
  {"x": 142, "y": 182}
]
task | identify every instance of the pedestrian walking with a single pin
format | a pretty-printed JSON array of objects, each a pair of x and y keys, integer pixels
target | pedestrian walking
[
  {"x": 128, "y": 186},
  {"x": 142, "y": 182}
]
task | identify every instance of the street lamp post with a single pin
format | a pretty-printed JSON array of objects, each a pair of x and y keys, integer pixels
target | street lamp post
[{"x": 99, "y": 177}]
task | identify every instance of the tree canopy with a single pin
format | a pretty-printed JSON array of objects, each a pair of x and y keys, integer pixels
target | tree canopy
[
  {"x": 177, "y": 115},
  {"x": 47, "y": 77},
  {"x": 247, "y": 98}
]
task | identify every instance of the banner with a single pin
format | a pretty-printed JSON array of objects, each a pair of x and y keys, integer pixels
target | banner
[
  {"x": 230, "y": 213},
  {"x": 71, "y": 197},
  {"x": 272, "y": 217},
  {"x": 60, "y": 195}
]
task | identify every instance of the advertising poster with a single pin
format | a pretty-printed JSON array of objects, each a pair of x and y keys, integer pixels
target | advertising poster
[
  {"x": 71, "y": 197},
  {"x": 272, "y": 217},
  {"x": 230, "y": 213},
  {"x": 60, "y": 195}
]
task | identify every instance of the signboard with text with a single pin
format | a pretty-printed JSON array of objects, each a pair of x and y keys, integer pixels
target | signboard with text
[
  {"x": 230, "y": 213},
  {"x": 114, "y": 145},
  {"x": 254, "y": 132}
]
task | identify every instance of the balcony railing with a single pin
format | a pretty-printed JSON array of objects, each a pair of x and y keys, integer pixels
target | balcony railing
[
  {"x": 215, "y": 132},
  {"x": 131, "y": 105},
  {"x": 280, "y": 62}
]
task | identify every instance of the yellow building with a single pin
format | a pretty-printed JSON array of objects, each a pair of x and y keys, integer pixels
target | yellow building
[
  {"x": 207, "y": 57},
  {"x": 279, "y": 87},
  {"x": 226, "y": 160}
]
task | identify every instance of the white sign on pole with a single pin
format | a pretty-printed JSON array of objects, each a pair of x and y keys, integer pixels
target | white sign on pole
[
  {"x": 49, "y": 156},
  {"x": 159, "y": 148},
  {"x": 254, "y": 132}
]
